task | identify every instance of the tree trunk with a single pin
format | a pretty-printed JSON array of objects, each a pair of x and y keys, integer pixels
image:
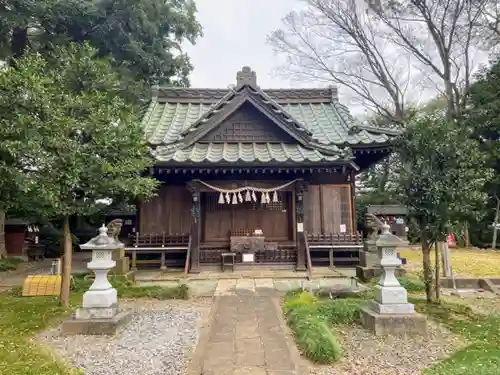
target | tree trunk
[
  {"x": 437, "y": 278},
  {"x": 19, "y": 42},
  {"x": 426, "y": 262},
  {"x": 495, "y": 225},
  {"x": 466, "y": 235},
  {"x": 3, "y": 248},
  {"x": 68, "y": 253}
]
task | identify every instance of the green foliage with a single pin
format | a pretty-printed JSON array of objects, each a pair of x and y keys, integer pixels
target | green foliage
[
  {"x": 9, "y": 264},
  {"x": 481, "y": 356},
  {"x": 302, "y": 299},
  {"x": 126, "y": 289},
  {"x": 143, "y": 36},
  {"x": 442, "y": 175},
  {"x": 313, "y": 321},
  {"x": 20, "y": 319},
  {"x": 341, "y": 311},
  {"x": 52, "y": 238},
  {"x": 313, "y": 335},
  {"x": 483, "y": 118},
  {"x": 84, "y": 142},
  {"x": 411, "y": 284}
]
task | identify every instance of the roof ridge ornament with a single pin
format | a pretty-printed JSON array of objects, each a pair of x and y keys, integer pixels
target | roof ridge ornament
[{"x": 246, "y": 77}]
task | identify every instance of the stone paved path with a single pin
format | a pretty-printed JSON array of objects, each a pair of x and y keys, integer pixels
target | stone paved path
[{"x": 246, "y": 336}]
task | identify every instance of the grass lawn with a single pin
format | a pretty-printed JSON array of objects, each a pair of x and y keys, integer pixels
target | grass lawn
[
  {"x": 482, "y": 356},
  {"x": 465, "y": 262},
  {"x": 21, "y": 318}
]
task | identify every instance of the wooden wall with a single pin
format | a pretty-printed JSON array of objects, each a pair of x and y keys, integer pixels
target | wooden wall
[
  {"x": 169, "y": 211},
  {"x": 327, "y": 207}
]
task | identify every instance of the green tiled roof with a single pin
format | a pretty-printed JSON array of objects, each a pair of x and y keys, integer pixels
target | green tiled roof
[
  {"x": 322, "y": 129},
  {"x": 243, "y": 153},
  {"x": 330, "y": 123}
]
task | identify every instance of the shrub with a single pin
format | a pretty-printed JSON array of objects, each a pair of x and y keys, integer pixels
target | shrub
[
  {"x": 9, "y": 264},
  {"x": 157, "y": 292},
  {"x": 341, "y": 311},
  {"x": 313, "y": 335},
  {"x": 126, "y": 289},
  {"x": 295, "y": 301}
]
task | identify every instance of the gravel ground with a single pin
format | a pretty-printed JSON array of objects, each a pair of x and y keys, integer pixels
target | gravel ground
[
  {"x": 158, "y": 340},
  {"x": 367, "y": 354}
]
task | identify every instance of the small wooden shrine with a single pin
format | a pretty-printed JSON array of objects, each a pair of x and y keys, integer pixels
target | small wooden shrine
[{"x": 251, "y": 162}]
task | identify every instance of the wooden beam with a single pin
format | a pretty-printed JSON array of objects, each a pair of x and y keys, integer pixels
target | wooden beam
[
  {"x": 300, "y": 187},
  {"x": 195, "y": 231}
]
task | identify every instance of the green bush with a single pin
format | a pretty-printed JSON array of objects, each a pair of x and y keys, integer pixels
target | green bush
[
  {"x": 303, "y": 299},
  {"x": 9, "y": 264},
  {"x": 126, "y": 289},
  {"x": 412, "y": 285},
  {"x": 313, "y": 335},
  {"x": 341, "y": 311},
  {"x": 157, "y": 292}
]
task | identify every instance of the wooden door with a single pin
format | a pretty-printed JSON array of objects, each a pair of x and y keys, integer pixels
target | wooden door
[{"x": 220, "y": 219}]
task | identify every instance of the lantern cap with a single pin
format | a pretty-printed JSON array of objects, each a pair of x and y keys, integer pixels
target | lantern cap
[
  {"x": 387, "y": 239},
  {"x": 102, "y": 241}
]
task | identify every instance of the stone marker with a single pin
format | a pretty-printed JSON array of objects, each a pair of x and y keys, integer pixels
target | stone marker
[
  {"x": 391, "y": 313},
  {"x": 99, "y": 314}
]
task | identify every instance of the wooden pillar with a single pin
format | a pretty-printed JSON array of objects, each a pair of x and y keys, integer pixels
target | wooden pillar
[
  {"x": 300, "y": 187},
  {"x": 352, "y": 179},
  {"x": 195, "y": 227}
]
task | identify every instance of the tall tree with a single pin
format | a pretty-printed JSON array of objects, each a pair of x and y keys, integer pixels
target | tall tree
[
  {"x": 336, "y": 41},
  {"x": 92, "y": 145},
  {"x": 443, "y": 36},
  {"x": 442, "y": 176},
  {"x": 482, "y": 116},
  {"x": 143, "y": 36}
]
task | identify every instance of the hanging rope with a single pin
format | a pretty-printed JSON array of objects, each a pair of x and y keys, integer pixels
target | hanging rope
[
  {"x": 235, "y": 196},
  {"x": 248, "y": 188}
]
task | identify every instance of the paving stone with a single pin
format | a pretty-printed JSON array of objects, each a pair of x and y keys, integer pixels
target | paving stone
[
  {"x": 245, "y": 284},
  {"x": 264, "y": 283},
  {"x": 225, "y": 287},
  {"x": 246, "y": 338},
  {"x": 250, "y": 371},
  {"x": 202, "y": 288}
]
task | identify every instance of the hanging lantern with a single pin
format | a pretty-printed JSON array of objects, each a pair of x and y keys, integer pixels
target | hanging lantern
[
  {"x": 263, "y": 199},
  {"x": 221, "y": 198},
  {"x": 235, "y": 199},
  {"x": 240, "y": 197},
  {"x": 228, "y": 198},
  {"x": 275, "y": 197},
  {"x": 248, "y": 198},
  {"x": 254, "y": 196}
]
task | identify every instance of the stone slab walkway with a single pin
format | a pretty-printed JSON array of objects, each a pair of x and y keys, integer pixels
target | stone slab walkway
[
  {"x": 270, "y": 287},
  {"x": 246, "y": 335}
]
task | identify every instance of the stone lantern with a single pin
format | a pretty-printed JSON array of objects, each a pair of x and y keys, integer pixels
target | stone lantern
[
  {"x": 99, "y": 314},
  {"x": 391, "y": 313}
]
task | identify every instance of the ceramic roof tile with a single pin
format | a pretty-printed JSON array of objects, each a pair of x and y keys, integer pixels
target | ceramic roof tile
[
  {"x": 243, "y": 153},
  {"x": 330, "y": 123}
]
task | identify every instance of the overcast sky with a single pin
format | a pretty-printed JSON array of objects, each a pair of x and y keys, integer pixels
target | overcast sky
[{"x": 235, "y": 34}]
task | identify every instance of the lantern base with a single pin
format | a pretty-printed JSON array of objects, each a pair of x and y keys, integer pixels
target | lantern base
[
  {"x": 413, "y": 324},
  {"x": 76, "y": 326},
  {"x": 100, "y": 298}
]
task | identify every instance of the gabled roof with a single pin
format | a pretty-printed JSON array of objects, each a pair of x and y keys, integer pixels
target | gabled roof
[
  {"x": 233, "y": 101},
  {"x": 177, "y": 119}
]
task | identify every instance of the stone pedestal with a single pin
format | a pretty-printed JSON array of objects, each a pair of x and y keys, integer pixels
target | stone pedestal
[
  {"x": 369, "y": 262},
  {"x": 391, "y": 313},
  {"x": 99, "y": 314},
  {"x": 122, "y": 266}
]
